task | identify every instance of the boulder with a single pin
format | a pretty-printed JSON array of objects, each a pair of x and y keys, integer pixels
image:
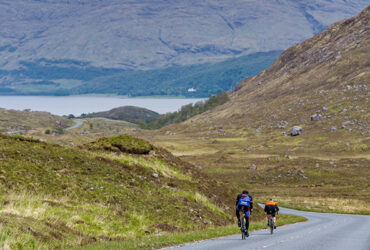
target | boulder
[
  {"x": 296, "y": 130},
  {"x": 316, "y": 117},
  {"x": 253, "y": 167},
  {"x": 348, "y": 123}
]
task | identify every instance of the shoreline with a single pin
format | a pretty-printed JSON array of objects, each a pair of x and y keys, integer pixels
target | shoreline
[{"x": 78, "y": 105}]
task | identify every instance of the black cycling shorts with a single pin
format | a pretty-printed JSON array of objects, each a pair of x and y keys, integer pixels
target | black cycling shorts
[
  {"x": 273, "y": 213},
  {"x": 242, "y": 208}
]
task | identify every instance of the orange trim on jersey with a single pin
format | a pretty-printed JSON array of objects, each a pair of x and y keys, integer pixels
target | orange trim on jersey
[{"x": 270, "y": 203}]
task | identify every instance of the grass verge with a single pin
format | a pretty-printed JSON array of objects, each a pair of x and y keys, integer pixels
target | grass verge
[
  {"x": 159, "y": 241},
  {"x": 323, "y": 204}
]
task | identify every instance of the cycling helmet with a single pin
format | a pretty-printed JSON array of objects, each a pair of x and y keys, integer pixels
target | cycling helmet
[{"x": 245, "y": 191}]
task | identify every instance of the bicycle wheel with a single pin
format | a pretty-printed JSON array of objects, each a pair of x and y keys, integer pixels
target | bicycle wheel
[{"x": 271, "y": 225}]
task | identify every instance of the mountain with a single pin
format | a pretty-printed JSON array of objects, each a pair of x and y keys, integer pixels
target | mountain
[
  {"x": 94, "y": 38},
  {"x": 127, "y": 113},
  {"x": 43, "y": 78},
  {"x": 329, "y": 70},
  {"x": 146, "y": 34},
  {"x": 320, "y": 85}
]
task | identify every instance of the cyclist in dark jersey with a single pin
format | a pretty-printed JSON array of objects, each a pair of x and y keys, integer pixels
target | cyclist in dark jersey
[
  {"x": 271, "y": 209},
  {"x": 244, "y": 203}
]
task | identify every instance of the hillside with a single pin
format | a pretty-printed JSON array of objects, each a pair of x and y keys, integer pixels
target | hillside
[
  {"x": 321, "y": 85},
  {"x": 186, "y": 112},
  {"x": 14, "y": 121},
  {"x": 55, "y": 47},
  {"x": 117, "y": 188},
  {"x": 142, "y": 34},
  {"x": 127, "y": 113},
  {"x": 44, "y": 77}
]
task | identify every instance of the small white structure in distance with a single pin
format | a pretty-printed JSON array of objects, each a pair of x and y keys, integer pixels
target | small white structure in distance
[{"x": 192, "y": 90}]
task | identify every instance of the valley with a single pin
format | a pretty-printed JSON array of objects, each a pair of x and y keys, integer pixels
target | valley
[
  {"x": 320, "y": 85},
  {"x": 297, "y": 132}
]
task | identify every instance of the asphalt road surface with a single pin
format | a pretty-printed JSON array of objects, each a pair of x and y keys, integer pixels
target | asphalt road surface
[
  {"x": 77, "y": 124},
  {"x": 322, "y": 231}
]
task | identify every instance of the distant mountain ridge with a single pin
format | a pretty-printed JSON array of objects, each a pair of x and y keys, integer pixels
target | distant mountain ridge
[
  {"x": 68, "y": 77},
  {"x": 146, "y": 35}
]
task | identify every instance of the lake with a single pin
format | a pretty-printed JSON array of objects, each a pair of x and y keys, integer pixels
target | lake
[{"x": 76, "y": 105}]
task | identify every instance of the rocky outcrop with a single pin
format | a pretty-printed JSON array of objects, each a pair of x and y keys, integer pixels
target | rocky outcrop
[{"x": 296, "y": 130}]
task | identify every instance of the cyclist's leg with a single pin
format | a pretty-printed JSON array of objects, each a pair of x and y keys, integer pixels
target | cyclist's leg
[
  {"x": 274, "y": 217},
  {"x": 268, "y": 218},
  {"x": 246, "y": 213},
  {"x": 247, "y": 222},
  {"x": 237, "y": 213}
]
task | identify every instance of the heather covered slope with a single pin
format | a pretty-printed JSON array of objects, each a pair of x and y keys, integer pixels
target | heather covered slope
[
  {"x": 329, "y": 70},
  {"x": 321, "y": 85},
  {"x": 14, "y": 121},
  {"x": 118, "y": 188}
]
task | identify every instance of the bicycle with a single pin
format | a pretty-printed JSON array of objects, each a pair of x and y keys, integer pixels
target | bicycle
[
  {"x": 243, "y": 227},
  {"x": 271, "y": 223}
]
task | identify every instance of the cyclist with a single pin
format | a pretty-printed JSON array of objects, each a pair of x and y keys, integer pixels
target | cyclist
[
  {"x": 244, "y": 203},
  {"x": 271, "y": 209}
]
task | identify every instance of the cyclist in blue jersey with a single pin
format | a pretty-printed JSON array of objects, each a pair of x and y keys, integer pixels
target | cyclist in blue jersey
[{"x": 244, "y": 203}]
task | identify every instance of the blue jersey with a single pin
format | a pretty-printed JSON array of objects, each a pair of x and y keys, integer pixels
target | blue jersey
[{"x": 245, "y": 200}]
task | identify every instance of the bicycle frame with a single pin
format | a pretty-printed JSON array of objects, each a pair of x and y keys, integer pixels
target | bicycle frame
[
  {"x": 243, "y": 225},
  {"x": 272, "y": 224}
]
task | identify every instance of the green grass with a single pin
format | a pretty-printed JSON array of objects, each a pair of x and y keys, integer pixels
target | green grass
[
  {"x": 200, "y": 198},
  {"x": 29, "y": 120},
  {"x": 121, "y": 143},
  {"x": 159, "y": 241},
  {"x": 154, "y": 164},
  {"x": 326, "y": 205},
  {"x": 283, "y": 166},
  {"x": 55, "y": 197}
]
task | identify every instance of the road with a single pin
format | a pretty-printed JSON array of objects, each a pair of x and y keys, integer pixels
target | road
[
  {"x": 78, "y": 124},
  {"x": 322, "y": 231}
]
